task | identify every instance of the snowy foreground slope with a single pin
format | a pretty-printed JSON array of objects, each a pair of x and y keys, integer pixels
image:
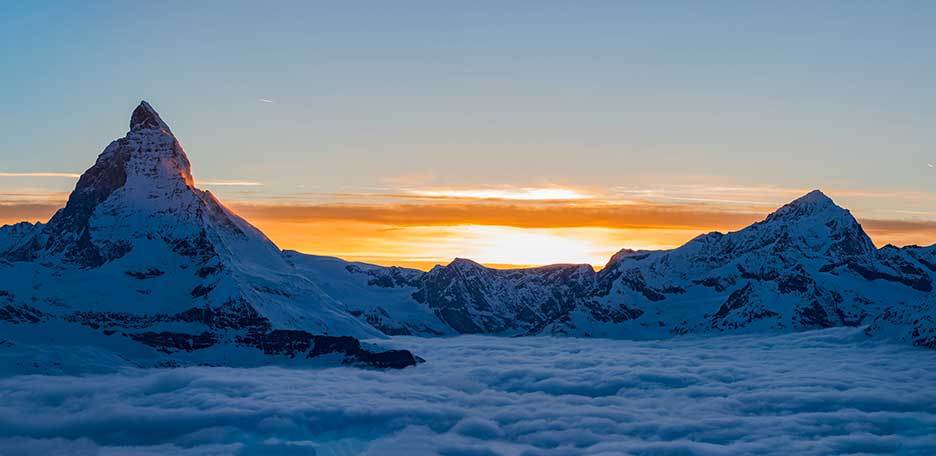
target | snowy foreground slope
[
  {"x": 141, "y": 268},
  {"x": 824, "y": 392}
]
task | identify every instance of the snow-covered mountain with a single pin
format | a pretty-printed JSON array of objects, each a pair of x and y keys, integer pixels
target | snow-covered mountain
[
  {"x": 142, "y": 268},
  {"x": 139, "y": 255},
  {"x": 807, "y": 265}
]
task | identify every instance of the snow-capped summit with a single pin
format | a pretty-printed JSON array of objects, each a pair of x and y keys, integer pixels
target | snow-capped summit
[
  {"x": 141, "y": 184},
  {"x": 139, "y": 246},
  {"x": 811, "y": 202},
  {"x": 814, "y": 207},
  {"x": 815, "y": 226}
]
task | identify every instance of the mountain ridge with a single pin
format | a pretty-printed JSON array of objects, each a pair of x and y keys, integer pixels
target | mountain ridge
[{"x": 142, "y": 265}]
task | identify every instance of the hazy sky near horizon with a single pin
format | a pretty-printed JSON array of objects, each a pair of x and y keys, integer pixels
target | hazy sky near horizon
[{"x": 709, "y": 112}]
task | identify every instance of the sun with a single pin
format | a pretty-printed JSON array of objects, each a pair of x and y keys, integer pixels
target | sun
[{"x": 507, "y": 245}]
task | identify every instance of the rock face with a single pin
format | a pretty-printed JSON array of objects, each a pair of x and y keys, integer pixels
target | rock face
[
  {"x": 808, "y": 265},
  {"x": 139, "y": 250}
]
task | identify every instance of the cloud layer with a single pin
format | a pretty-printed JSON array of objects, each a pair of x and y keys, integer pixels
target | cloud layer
[{"x": 821, "y": 392}]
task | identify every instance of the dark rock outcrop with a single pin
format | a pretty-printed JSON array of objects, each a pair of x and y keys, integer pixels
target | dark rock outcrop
[{"x": 295, "y": 342}]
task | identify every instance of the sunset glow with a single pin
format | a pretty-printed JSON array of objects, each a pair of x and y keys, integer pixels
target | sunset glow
[{"x": 515, "y": 226}]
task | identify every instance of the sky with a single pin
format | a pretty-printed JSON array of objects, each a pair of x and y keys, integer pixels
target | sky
[{"x": 513, "y": 133}]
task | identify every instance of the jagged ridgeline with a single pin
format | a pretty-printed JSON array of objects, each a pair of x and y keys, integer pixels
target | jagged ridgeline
[
  {"x": 808, "y": 265},
  {"x": 143, "y": 264}
]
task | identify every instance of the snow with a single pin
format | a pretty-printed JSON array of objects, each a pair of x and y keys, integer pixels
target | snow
[
  {"x": 830, "y": 391},
  {"x": 143, "y": 270},
  {"x": 137, "y": 210},
  {"x": 137, "y": 205}
]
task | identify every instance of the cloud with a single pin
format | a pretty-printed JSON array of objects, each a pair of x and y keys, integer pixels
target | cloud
[
  {"x": 266, "y": 100},
  {"x": 230, "y": 183},
  {"x": 42, "y": 174},
  {"x": 19, "y": 212},
  {"x": 523, "y": 193},
  {"x": 818, "y": 392},
  {"x": 514, "y": 214}
]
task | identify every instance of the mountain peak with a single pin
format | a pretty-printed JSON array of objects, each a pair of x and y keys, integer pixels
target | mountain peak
[
  {"x": 815, "y": 216},
  {"x": 145, "y": 117},
  {"x": 814, "y": 198},
  {"x": 808, "y": 205},
  {"x": 464, "y": 263}
]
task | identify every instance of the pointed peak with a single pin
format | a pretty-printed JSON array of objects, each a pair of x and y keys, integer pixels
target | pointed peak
[
  {"x": 810, "y": 204},
  {"x": 145, "y": 117},
  {"x": 813, "y": 198}
]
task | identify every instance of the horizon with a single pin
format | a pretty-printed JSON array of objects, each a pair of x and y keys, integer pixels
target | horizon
[
  {"x": 555, "y": 195},
  {"x": 881, "y": 232},
  {"x": 525, "y": 138},
  {"x": 467, "y": 228}
]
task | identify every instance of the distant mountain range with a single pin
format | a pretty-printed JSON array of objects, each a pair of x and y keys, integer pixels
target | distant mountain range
[
  {"x": 142, "y": 268},
  {"x": 808, "y": 265}
]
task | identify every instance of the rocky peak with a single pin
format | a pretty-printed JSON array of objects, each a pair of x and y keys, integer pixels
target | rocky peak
[
  {"x": 154, "y": 152},
  {"x": 145, "y": 117},
  {"x": 147, "y": 169}
]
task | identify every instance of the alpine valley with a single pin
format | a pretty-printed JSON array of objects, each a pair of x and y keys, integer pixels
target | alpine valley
[{"x": 141, "y": 268}]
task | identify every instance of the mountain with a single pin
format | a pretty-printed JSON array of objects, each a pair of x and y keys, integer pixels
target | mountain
[
  {"x": 808, "y": 265},
  {"x": 141, "y": 257},
  {"x": 141, "y": 268},
  {"x": 460, "y": 298}
]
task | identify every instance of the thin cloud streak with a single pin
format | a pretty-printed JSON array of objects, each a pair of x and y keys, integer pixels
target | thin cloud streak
[
  {"x": 519, "y": 215},
  {"x": 560, "y": 215},
  {"x": 523, "y": 193},
  {"x": 228, "y": 183},
  {"x": 42, "y": 174}
]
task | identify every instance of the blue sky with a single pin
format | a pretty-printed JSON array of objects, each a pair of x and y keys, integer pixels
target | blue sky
[{"x": 375, "y": 97}]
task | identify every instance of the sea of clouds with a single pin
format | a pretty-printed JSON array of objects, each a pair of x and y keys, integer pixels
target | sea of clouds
[{"x": 820, "y": 392}]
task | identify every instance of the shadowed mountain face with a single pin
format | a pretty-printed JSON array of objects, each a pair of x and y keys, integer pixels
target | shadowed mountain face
[
  {"x": 142, "y": 265},
  {"x": 139, "y": 251}
]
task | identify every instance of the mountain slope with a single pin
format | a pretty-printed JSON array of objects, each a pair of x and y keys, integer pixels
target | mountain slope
[{"x": 139, "y": 247}]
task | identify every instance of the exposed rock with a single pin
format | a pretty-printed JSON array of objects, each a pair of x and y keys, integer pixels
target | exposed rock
[
  {"x": 170, "y": 342},
  {"x": 294, "y": 342},
  {"x": 143, "y": 275},
  {"x": 21, "y": 314}
]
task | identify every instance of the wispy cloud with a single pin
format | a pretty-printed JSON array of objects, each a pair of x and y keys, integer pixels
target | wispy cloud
[
  {"x": 523, "y": 193},
  {"x": 521, "y": 214},
  {"x": 230, "y": 183},
  {"x": 42, "y": 174},
  {"x": 266, "y": 100}
]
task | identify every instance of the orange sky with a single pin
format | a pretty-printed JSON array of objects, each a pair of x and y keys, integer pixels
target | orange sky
[{"x": 513, "y": 227}]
